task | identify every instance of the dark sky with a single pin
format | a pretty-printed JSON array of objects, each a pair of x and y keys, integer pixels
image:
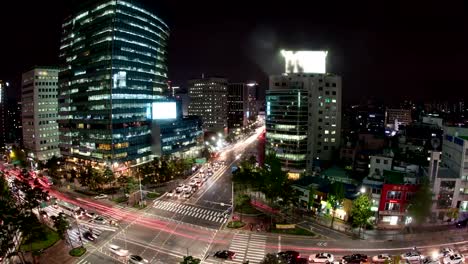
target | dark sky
[{"x": 416, "y": 49}]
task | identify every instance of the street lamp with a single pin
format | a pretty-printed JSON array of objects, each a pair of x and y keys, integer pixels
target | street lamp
[
  {"x": 362, "y": 190},
  {"x": 79, "y": 230}
]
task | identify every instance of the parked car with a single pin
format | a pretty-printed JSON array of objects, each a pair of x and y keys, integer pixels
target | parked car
[
  {"x": 135, "y": 259},
  {"x": 412, "y": 256},
  {"x": 381, "y": 258},
  {"x": 225, "y": 254},
  {"x": 118, "y": 250},
  {"x": 354, "y": 259},
  {"x": 288, "y": 257},
  {"x": 445, "y": 252},
  {"x": 321, "y": 258},
  {"x": 454, "y": 259},
  {"x": 100, "y": 196}
]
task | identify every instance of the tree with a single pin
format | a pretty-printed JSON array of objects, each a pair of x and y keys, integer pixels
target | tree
[
  {"x": 420, "y": 206},
  {"x": 312, "y": 192},
  {"x": 61, "y": 224},
  {"x": 270, "y": 259},
  {"x": 335, "y": 198},
  {"x": 206, "y": 153},
  {"x": 190, "y": 260},
  {"x": 361, "y": 211}
]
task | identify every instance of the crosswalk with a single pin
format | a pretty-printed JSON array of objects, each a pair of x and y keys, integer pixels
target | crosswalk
[
  {"x": 249, "y": 247},
  {"x": 192, "y": 211},
  {"x": 74, "y": 235}
]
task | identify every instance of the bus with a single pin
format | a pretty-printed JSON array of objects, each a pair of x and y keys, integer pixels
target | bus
[{"x": 68, "y": 208}]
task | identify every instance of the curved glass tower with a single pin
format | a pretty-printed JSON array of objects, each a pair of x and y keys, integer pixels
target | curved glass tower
[{"x": 113, "y": 56}]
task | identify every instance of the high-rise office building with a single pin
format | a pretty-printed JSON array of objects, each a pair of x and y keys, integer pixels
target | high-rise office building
[
  {"x": 208, "y": 100},
  {"x": 303, "y": 117},
  {"x": 114, "y": 66},
  {"x": 14, "y": 133},
  {"x": 3, "y": 116},
  {"x": 39, "y": 112},
  {"x": 242, "y": 104}
]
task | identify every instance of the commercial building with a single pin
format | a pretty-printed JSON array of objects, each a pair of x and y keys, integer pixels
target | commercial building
[
  {"x": 184, "y": 101},
  {"x": 14, "y": 133},
  {"x": 114, "y": 66},
  {"x": 394, "y": 201},
  {"x": 303, "y": 118},
  {"x": 181, "y": 137},
  {"x": 397, "y": 117},
  {"x": 242, "y": 105},
  {"x": 208, "y": 100},
  {"x": 40, "y": 112},
  {"x": 455, "y": 159},
  {"x": 3, "y": 120}
]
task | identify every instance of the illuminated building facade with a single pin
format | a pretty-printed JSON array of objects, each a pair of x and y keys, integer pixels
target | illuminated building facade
[
  {"x": 114, "y": 66},
  {"x": 242, "y": 104},
  {"x": 208, "y": 100},
  {"x": 303, "y": 119},
  {"x": 39, "y": 112}
]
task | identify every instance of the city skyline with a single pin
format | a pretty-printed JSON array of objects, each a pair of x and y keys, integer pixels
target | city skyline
[{"x": 402, "y": 50}]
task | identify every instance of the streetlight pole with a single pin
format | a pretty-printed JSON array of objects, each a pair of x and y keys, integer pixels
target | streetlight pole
[
  {"x": 141, "y": 192},
  {"x": 79, "y": 231}
]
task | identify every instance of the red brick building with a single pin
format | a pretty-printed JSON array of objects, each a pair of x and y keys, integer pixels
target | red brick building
[{"x": 394, "y": 201}]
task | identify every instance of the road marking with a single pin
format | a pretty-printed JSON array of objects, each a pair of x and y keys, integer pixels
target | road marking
[{"x": 279, "y": 243}]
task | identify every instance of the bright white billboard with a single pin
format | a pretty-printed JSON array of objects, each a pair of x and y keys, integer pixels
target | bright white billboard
[
  {"x": 305, "y": 61},
  {"x": 164, "y": 110}
]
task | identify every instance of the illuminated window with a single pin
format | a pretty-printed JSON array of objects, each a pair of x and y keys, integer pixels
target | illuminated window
[
  {"x": 333, "y": 100},
  {"x": 332, "y": 139},
  {"x": 333, "y": 132},
  {"x": 325, "y": 140},
  {"x": 327, "y": 132},
  {"x": 327, "y": 100}
]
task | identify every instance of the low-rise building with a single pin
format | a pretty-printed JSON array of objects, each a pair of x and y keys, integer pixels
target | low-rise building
[{"x": 394, "y": 202}]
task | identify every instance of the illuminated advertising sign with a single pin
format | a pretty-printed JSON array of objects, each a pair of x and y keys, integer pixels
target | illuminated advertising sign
[
  {"x": 164, "y": 110},
  {"x": 305, "y": 61}
]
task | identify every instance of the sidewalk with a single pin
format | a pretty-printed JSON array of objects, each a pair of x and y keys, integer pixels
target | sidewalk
[{"x": 56, "y": 254}]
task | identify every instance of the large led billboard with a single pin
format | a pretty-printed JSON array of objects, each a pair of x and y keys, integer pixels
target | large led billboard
[
  {"x": 305, "y": 61},
  {"x": 164, "y": 110}
]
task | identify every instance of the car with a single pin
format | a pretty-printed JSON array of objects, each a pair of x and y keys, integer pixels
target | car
[
  {"x": 100, "y": 196},
  {"x": 186, "y": 188},
  {"x": 100, "y": 220},
  {"x": 225, "y": 254},
  {"x": 199, "y": 183},
  {"x": 430, "y": 260},
  {"x": 91, "y": 215},
  {"x": 171, "y": 193},
  {"x": 118, "y": 250},
  {"x": 187, "y": 195},
  {"x": 193, "y": 182},
  {"x": 179, "y": 188},
  {"x": 454, "y": 259},
  {"x": 89, "y": 236},
  {"x": 289, "y": 256},
  {"x": 321, "y": 258},
  {"x": 135, "y": 259},
  {"x": 445, "y": 252},
  {"x": 412, "y": 256},
  {"x": 381, "y": 258},
  {"x": 354, "y": 258}
]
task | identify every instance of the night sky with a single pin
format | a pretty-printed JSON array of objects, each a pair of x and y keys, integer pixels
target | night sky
[{"x": 415, "y": 50}]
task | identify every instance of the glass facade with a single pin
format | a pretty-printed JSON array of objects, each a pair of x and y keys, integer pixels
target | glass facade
[
  {"x": 286, "y": 125},
  {"x": 181, "y": 135},
  {"x": 113, "y": 56}
]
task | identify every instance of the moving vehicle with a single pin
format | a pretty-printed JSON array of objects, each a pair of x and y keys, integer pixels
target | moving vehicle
[
  {"x": 430, "y": 261},
  {"x": 381, "y": 258},
  {"x": 355, "y": 259},
  {"x": 454, "y": 259},
  {"x": 321, "y": 258},
  {"x": 225, "y": 254},
  {"x": 187, "y": 195},
  {"x": 186, "y": 188},
  {"x": 288, "y": 257},
  {"x": 89, "y": 236},
  {"x": 135, "y": 259},
  {"x": 68, "y": 208},
  {"x": 412, "y": 256},
  {"x": 171, "y": 193},
  {"x": 100, "y": 220},
  {"x": 118, "y": 251},
  {"x": 100, "y": 196}
]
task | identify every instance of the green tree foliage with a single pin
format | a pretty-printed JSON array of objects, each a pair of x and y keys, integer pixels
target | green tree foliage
[
  {"x": 420, "y": 206},
  {"x": 361, "y": 211},
  {"x": 335, "y": 198},
  {"x": 18, "y": 156},
  {"x": 61, "y": 224},
  {"x": 270, "y": 259},
  {"x": 9, "y": 217},
  {"x": 190, "y": 260}
]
